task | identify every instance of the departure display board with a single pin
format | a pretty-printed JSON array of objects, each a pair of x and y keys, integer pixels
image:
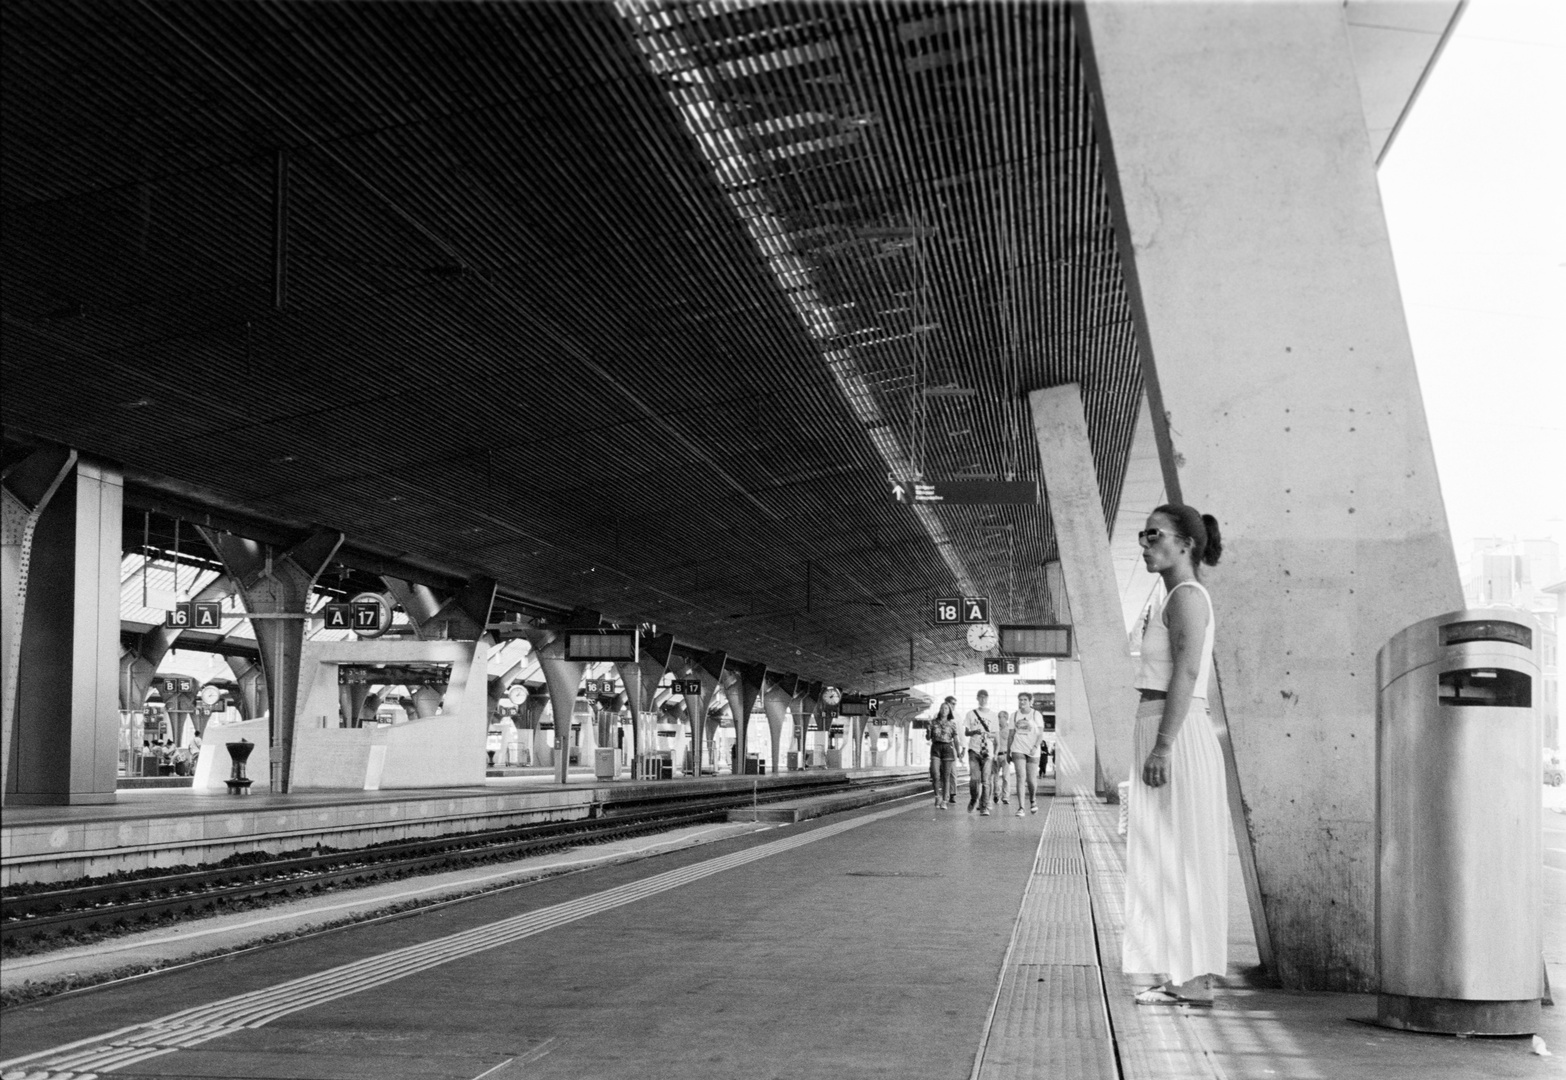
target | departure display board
[
  {"x": 1036, "y": 641},
  {"x": 601, "y": 644}
]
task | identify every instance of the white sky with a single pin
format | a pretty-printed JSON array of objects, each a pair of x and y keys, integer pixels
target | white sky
[{"x": 1474, "y": 189}]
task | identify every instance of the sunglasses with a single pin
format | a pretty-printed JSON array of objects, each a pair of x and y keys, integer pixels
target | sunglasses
[{"x": 1152, "y": 536}]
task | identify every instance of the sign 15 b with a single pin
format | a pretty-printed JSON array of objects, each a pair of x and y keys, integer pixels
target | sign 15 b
[{"x": 952, "y": 610}]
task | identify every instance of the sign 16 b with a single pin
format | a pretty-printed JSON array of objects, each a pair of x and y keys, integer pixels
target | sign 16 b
[{"x": 952, "y": 610}]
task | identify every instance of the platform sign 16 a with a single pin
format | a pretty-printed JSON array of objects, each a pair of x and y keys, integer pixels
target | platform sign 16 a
[
  {"x": 956, "y": 610},
  {"x": 1000, "y": 665},
  {"x": 200, "y": 615}
]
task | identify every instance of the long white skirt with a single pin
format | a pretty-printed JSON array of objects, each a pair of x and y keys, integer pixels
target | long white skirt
[{"x": 1177, "y": 854}]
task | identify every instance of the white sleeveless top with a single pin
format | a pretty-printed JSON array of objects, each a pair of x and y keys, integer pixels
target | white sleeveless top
[{"x": 1158, "y": 654}]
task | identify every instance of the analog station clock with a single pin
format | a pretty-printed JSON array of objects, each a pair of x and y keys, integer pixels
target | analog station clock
[{"x": 982, "y": 637}]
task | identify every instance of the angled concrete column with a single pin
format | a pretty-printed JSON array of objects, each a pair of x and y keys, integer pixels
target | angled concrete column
[
  {"x": 1074, "y": 751},
  {"x": 742, "y": 690},
  {"x": 563, "y": 678},
  {"x": 806, "y": 702},
  {"x": 138, "y": 666},
  {"x": 776, "y": 700},
  {"x": 1076, "y": 509},
  {"x": 461, "y": 616},
  {"x": 641, "y": 689},
  {"x": 251, "y": 678},
  {"x": 63, "y": 526},
  {"x": 1285, "y": 402},
  {"x": 708, "y": 670},
  {"x": 276, "y": 593}
]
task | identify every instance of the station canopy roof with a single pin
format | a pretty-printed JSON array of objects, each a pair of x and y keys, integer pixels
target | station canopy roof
[{"x": 632, "y": 307}]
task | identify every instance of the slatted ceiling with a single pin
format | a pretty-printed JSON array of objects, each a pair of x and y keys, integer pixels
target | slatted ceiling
[{"x": 930, "y": 166}]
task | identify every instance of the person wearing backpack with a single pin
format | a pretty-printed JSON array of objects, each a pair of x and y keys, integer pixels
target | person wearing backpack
[{"x": 979, "y": 726}]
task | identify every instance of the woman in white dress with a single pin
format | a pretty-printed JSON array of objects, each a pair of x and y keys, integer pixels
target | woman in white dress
[{"x": 1177, "y": 845}]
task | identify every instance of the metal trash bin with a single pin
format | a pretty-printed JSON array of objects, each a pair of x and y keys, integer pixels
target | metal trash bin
[
  {"x": 606, "y": 763},
  {"x": 1459, "y": 842}
]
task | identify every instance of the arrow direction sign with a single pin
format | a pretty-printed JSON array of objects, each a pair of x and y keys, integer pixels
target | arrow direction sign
[{"x": 968, "y": 492}]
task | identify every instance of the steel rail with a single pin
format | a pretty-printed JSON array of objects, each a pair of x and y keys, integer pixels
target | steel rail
[{"x": 123, "y": 904}]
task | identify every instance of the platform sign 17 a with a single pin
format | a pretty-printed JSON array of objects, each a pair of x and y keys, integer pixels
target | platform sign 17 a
[
  {"x": 956, "y": 610},
  {"x": 1000, "y": 665},
  {"x": 338, "y": 617}
]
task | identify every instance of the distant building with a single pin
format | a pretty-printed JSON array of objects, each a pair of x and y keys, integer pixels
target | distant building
[{"x": 1526, "y": 574}]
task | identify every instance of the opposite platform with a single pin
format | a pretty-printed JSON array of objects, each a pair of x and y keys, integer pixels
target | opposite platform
[{"x": 162, "y": 828}]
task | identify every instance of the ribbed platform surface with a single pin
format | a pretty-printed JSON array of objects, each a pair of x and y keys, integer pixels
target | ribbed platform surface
[{"x": 898, "y": 941}]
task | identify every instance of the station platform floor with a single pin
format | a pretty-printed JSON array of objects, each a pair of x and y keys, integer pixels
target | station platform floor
[{"x": 896, "y": 941}]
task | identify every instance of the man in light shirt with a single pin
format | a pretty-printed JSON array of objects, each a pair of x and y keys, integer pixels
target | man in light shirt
[
  {"x": 1027, "y": 737},
  {"x": 980, "y": 726}
]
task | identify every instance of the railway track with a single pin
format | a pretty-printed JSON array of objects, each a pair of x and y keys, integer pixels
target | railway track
[{"x": 129, "y": 904}]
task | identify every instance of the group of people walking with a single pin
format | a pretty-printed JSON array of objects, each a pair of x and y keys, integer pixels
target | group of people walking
[
  {"x": 1176, "y": 907},
  {"x": 997, "y": 745}
]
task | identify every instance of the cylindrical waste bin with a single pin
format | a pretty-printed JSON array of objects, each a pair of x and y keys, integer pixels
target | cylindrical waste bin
[{"x": 1459, "y": 847}]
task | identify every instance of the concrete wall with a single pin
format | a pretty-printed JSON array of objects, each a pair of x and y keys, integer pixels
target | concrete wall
[
  {"x": 1285, "y": 401},
  {"x": 437, "y": 751}
]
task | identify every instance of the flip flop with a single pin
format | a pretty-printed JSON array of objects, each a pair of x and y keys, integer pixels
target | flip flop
[{"x": 1157, "y": 995}]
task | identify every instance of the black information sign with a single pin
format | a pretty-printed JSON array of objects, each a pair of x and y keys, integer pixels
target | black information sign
[
  {"x": 601, "y": 644},
  {"x": 1000, "y": 665},
  {"x": 178, "y": 617},
  {"x": 207, "y": 615},
  {"x": 1036, "y": 640},
  {"x": 957, "y": 610},
  {"x": 686, "y": 687},
  {"x": 338, "y": 617},
  {"x": 412, "y": 673}
]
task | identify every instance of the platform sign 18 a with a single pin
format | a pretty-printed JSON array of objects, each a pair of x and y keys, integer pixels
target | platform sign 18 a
[
  {"x": 1000, "y": 665},
  {"x": 957, "y": 610}
]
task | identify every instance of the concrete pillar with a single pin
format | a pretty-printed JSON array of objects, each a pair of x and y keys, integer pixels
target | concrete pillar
[
  {"x": 1076, "y": 510},
  {"x": 276, "y": 592},
  {"x": 63, "y": 521},
  {"x": 1285, "y": 402},
  {"x": 1074, "y": 746},
  {"x": 563, "y": 678},
  {"x": 742, "y": 689},
  {"x": 776, "y": 699},
  {"x": 708, "y": 670},
  {"x": 253, "y": 700},
  {"x": 641, "y": 679},
  {"x": 460, "y": 616}
]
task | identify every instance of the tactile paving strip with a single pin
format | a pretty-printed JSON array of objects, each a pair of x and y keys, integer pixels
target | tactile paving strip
[{"x": 1049, "y": 1014}]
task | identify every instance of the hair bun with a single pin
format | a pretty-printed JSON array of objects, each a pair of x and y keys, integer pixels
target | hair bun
[{"x": 1214, "y": 548}]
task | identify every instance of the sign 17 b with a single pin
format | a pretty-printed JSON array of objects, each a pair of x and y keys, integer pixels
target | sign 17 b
[
  {"x": 686, "y": 687},
  {"x": 953, "y": 610}
]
